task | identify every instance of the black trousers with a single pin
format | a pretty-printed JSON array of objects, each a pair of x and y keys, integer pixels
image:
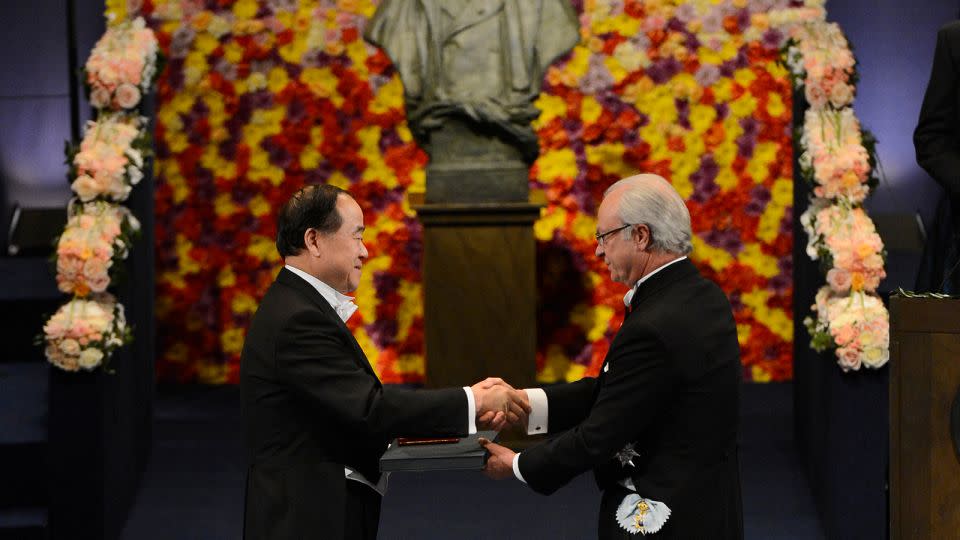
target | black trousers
[{"x": 362, "y": 516}]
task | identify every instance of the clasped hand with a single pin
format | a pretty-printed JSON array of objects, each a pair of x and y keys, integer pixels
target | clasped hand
[{"x": 499, "y": 404}]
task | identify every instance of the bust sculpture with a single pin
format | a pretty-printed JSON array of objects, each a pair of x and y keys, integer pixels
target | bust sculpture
[{"x": 471, "y": 69}]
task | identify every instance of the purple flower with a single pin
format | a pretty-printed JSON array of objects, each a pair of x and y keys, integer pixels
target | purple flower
[
  {"x": 707, "y": 75},
  {"x": 728, "y": 240},
  {"x": 773, "y": 39},
  {"x": 383, "y": 332}
]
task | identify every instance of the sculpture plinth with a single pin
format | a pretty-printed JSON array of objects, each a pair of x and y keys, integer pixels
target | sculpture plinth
[{"x": 479, "y": 265}]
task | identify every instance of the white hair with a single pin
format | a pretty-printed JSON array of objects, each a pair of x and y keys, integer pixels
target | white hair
[{"x": 650, "y": 200}]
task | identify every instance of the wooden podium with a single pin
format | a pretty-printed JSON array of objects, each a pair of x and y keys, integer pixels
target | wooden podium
[
  {"x": 480, "y": 291},
  {"x": 924, "y": 381}
]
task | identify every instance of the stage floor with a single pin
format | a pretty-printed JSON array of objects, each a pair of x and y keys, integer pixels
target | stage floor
[{"x": 193, "y": 486}]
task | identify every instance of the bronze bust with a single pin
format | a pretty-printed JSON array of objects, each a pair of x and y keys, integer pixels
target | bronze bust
[{"x": 471, "y": 69}]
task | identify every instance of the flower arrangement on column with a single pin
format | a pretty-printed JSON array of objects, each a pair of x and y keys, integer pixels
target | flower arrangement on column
[
  {"x": 104, "y": 168},
  {"x": 838, "y": 160}
]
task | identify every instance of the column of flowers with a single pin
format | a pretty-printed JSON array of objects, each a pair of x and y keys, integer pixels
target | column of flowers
[
  {"x": 838, "y": 160},
  {"x": 109, "y": 161}
]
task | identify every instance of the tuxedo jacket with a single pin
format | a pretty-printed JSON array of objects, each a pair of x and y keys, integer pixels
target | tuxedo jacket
[
  {"x": 312, "y": 405},
  {"x": 937, "y": 144},
  {"x": 670, "y": 386}
]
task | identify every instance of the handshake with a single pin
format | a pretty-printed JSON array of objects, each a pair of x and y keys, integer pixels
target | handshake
[{"x": 500, "y": 405}]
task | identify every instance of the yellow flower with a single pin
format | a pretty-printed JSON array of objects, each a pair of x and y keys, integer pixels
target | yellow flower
[
  {"x": 187, "y": 264},
  {"x": 782, "y": 192},
  {"x": 743, "y": 333},
  {"x": 243, "y": 303},
  {"x": 225, "y": 278},
  {"x": 210, "y": 373},
  {"x": 550, "y": 220},
  {"x": 263, "y": 248},
  {"x": 233, "y": 52},
  {"x": 590, "y": 109},
  {"x": 556, "y": 164},
  {"x": 550, "y": 107},
  {"x": 223, "y": 205},
  {"x": 320, "y": 81},
  {"x": 763, "y": 264},
  {"x": 743, "y": 106},
  {"x": 410, "y": 364},
  {"x": 593, "y": 320},
  {"x": 259, "y": 206},
  {"x": 717, "y": 258},
  {"x": 584, "y": 226},
  {"x": 245, "y": 9},
  {"x": 726, "y": 179},
  {"x": 205, "y": 43},
  {"x": 610, "y": 157},
  {"x": 339, "y": 180},
  {"x": 702, "y": 117},
  {"x": 232, "y": 340},
  {"x": 277, "y": 79},
  {"x": 775, "y": 105},
  {"x": 555, "y": 367},
  {"x": 411, "y": 307},
  {"x": 760, "y": 374},
  {"x": 389, "y": 97}
]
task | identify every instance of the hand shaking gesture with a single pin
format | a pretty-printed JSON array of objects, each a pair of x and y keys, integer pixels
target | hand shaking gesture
[{"x": 499, "y": 404}]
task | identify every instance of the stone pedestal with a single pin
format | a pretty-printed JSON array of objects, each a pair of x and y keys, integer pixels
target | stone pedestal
[{"x": 479, "y": 292}]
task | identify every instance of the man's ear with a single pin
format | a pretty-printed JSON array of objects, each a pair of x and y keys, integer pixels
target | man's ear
[
  {"x": 641, "y": 236},
  {"x": 311, "y": 240}
]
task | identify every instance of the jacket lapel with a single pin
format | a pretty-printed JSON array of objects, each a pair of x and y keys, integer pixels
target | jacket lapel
[
  {"x": 289, "y": 278},
  {"x": 661, "y": 279}
]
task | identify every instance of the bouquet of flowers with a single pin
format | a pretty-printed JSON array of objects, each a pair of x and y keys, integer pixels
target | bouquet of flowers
[
  {"x": 84, "y": 332},
  {"x": 122, "y": 66},
  {"x": 856, "y": 324},
  {"x": 834, "y": 158},
  {"x": 109, "y": 161},
  {"x": 847, "y": 243},
  {"x": 97, "y": 234}
]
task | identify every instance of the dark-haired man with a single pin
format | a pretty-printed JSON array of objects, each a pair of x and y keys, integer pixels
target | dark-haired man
[{"x": 317, "y": 417}]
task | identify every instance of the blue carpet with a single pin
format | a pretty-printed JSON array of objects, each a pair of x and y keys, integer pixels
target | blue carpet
[{"x": 193, "y": 487}]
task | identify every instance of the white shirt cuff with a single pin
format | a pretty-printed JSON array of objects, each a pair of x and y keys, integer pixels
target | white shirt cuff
[
  {"x": 471, "y": 411},
  {"x": 516, "y": 468},
  {"x": 537, "y": 420}
]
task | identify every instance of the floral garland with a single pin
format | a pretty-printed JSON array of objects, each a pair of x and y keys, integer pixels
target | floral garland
[
  {"x": 838, "y": 161},
  {"x": 97, "y": 235},
  {"x": 110, "y": 159},
  {"x": 122, "y": 66},
  {"x": 260, "y": 98},
  {"x": 84, "y": 332}
]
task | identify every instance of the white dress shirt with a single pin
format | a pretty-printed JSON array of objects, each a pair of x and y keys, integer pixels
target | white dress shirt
[{"x": 345, "y": 308}]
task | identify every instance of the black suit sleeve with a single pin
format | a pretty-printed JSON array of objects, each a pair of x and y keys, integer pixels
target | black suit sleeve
[
  {"x": 569, "y": 404},
  {"x": 936, "y": 138},
  {"x": 317, "y": 365},
  {"x": 632, "y": 395}
]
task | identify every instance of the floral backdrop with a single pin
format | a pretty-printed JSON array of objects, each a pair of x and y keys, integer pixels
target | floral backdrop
[{"x": 262, "y": 97}]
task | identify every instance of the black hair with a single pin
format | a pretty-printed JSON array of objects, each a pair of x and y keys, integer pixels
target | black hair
[{"x": 312, "y": 207}]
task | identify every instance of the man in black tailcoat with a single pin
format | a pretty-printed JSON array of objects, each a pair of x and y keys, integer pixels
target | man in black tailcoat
[{"x": 659, "y": 425}]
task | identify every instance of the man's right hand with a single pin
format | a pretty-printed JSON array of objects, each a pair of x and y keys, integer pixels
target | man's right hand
[{"x": 499, "y": 404}]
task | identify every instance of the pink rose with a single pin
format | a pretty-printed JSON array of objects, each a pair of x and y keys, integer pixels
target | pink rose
[
  {"x": 839, "y": 280},
  {"x": 127, "y": 96},
  {"x": 848, "y": 358}
]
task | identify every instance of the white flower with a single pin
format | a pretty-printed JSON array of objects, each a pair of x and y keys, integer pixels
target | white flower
[{"x": 90, "y": 358}]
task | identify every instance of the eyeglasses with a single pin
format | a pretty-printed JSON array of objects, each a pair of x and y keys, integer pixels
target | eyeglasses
[{"x": 601, "y": 236}]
